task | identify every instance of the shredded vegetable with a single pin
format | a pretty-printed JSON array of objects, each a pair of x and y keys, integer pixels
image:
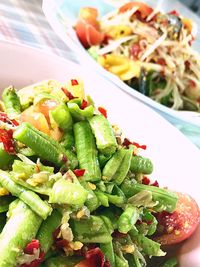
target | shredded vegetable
[{"x": 157, "y": 42}]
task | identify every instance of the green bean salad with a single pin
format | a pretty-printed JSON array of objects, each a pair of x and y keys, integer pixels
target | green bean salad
[{"x": 73, "y": 190}]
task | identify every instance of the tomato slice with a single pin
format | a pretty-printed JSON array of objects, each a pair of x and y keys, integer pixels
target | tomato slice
[
  {"x": 37, "y": 119},
  {"x": 180, "y": 224},
  {"x": 87, "y": 27},
  {"x": 144, "y": 9},
  {"x": 88, "y": 34},
  {"x": 46, "y": 106}
]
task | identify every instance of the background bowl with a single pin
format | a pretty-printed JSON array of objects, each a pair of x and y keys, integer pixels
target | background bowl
[
  {"x": 175, "y": 158},
  {"x": 62, "y": 15}
]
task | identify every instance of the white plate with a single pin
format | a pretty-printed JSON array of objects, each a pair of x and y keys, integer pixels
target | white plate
[
  {"x": 62, "y": 15},
  {"x": 175, "y": 158}
]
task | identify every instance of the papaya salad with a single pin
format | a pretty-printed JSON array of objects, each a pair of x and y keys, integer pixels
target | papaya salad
[
  {"x": 74, "y": 191},
  {"x": 147, "y": 49}
]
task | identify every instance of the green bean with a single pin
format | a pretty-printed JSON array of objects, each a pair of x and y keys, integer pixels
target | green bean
[
  {"x": 149, "y": 247},
  {"x": 62, "y": 117},
  {"x": 128, "y": 219},
  {"x": 43, "y": 145},
  {"x": 6, "y": 159},
  {"x": 122, "y": 171},
  {"x": 103, "y": 159},
  {"x": 79, "y": 114},
  {"x": 92, "y": 202},
  {"x": 140, "y": 164},
  {"x": 166, "y": 199},
  {"x": 48, "y": 226},
  {"x": 5, "y": 202},
  {"x": 87, "y": 151},
  {"x": 66, "y": 192},
  {"x": 105, "y": 138},
  {"x": 103, "y": 199},
  {"x": 61, "y": 261},
  {"x": 133, "y": 260},
  {"x": 111, "y": 215},
  {"x": 19, "y": 230},
  {"x": 67, "y": 140},
  {"x": 29, "y": 197},
  {"x": 12, "y": 102},
  {"x": 172, "y": 262},
  {"x": 121, "y": 262},
  {"x": 90, "y": 230},
  {"x": 113, "y": 164},
  {"x": 107, "y": 249}
]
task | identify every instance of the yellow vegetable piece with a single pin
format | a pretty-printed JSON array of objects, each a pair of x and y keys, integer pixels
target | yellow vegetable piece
[
  {"x": 187, "y": 23},
  {"x": 75, "y": 87},
  {"x": 119, "y": 31},
  {"x": 3, "y": 192},
  {"x": 123, "y": 67}
]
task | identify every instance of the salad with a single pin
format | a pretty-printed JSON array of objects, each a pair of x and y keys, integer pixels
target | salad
[
  {"x": 75, "y": 192},
  {"x": 147, "y": 49}
]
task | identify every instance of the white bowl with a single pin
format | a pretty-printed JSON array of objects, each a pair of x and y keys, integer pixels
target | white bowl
[
  {"x": 62, "y": 15},
  {"x": 175, "y": 158}
]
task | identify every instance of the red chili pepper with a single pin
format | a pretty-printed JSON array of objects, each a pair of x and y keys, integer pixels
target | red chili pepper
[
  {"x": 103, "y": 111},
  {"x": 74, "y": 82},
  {"x": 139, "y": 146},
  {"x": 79, "y": 172},
  {"x": 126, "y": 142},
  {"x": 187, "y": 65},
  {"x": 6, "y": 137},
  {"x": 67, "y": 93},
  {"x": 106, "y": 39},
  {"x": 145, "y": 180},
  {"x": 34, "y": 244},
  {"x": 4, "y": 117},
  {"x": 84, "y": 104},
  {"x": 135, "y": 50},
  {"x": 161, "y": 62},
  {"x": 192, "y": 83},
  {"x": 174, "y": 12},
  {"x": 155, "y": 183}
]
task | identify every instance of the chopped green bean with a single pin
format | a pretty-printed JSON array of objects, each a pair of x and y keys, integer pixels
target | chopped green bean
[
  {"x": 105, "y": 138},
  {"x": 113, "y": 164},
  {"x": 19, "y": 230},
  {"x": 91, "y": 230},
  {"x": 44, "y": 146},
  {"x": 62, "y": 117},
  {"x": 122, "y": 171},
  {"x": 166, "y": 199},
  {"x": 48, "y": 226},
  {"x": 140, "y": 164},
  {"x": 128, "y": 219},
  {"x": 29, "y": 197},
  {"x": 11, "y": 102},
  {"x": 87, "y": 151},
  {"x": 107, "y": 249}
]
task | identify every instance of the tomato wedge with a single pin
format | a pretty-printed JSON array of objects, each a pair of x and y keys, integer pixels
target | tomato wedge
[
  {"x": 88, "y": 34},
  {"x": 87, "y": 27},
  {"x": 144, "y": 9},
  {"x": 180, "y": 224}
]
